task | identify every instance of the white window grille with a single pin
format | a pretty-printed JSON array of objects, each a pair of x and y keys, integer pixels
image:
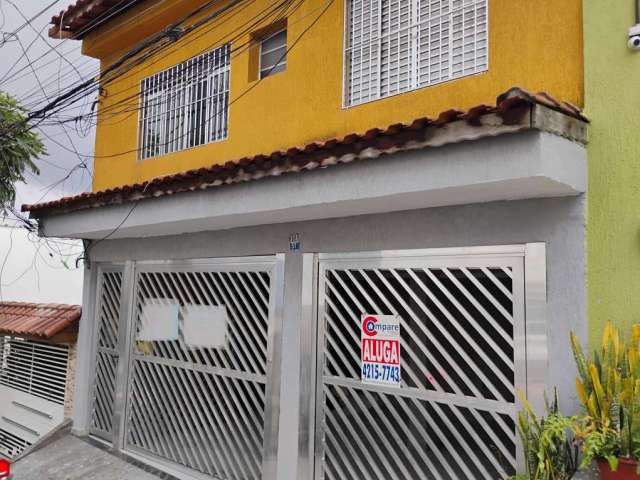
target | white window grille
[
  {"x": 186, "y": 105},
  {"x": 273, "y": 54},
  {"x": 35, "y": 368},
  {"x": 393, "y": 46}
]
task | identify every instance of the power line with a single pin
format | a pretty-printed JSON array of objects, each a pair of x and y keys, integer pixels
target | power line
[
  {"x": 16, "y": 31},
  {"x": 137, "y": 202},
  {"x": 235, "y": 53},
  {"x": 130, "y": 61},
  {"x": 39, "y": 34}
]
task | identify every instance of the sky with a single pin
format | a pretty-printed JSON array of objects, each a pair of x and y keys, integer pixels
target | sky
[
  {"x": 57, "y": 64},
  {"x": 31, "y": 270},
  {"x": 34, "y": 68}
]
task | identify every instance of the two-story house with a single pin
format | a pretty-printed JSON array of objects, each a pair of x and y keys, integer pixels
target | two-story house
[{"x": 333, "y": 238}]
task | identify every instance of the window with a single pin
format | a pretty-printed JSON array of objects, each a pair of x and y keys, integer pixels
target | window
[
  {"x": 394, "y": 46},
  {"x": 186, "y": 105},
  {"x": 273, "y": 54}
]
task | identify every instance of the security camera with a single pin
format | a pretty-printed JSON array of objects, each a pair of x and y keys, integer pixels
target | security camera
[{"x": 634, "y": 38}]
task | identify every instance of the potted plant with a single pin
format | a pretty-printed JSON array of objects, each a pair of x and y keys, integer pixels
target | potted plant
[
  {"x": 609, "y": 389},
  {"x": 549, "y": 447}
]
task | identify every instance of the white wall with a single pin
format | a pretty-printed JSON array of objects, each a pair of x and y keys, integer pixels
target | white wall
[{"x": 33, "y": 270}]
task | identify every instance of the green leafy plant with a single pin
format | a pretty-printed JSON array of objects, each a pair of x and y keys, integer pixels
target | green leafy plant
[
  {"x": 550, "y": 450},
  {"x": 609, "y": 390},
  {"x": 19, "y": 147}
]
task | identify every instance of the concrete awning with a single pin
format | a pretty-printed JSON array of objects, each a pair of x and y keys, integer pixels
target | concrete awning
[{"x": 528, "y": 146}]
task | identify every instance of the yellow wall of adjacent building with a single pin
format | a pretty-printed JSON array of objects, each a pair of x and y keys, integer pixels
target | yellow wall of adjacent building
[{"x": 535, "y": 45}]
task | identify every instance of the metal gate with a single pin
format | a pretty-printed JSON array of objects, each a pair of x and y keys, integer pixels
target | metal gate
[
  {"x": 462, "y": 358},
  {"x": 205, "y": 409},
  {"x": 108, "y": 305},
  {"x": 33, "y": 383}
]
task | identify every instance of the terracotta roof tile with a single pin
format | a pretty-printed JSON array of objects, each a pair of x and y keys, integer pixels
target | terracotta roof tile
[
  {"x": 316, "y": 154},
  {"x": 77, "y": 17},
  {"x": 37, "y": 319}
]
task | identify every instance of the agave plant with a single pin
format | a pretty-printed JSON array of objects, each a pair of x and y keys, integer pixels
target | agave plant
[
  {"x": 609, "y": 390},
  {"x": 551, "y": 453}
]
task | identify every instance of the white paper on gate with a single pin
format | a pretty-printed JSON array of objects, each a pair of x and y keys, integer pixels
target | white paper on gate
[
  {"x": 159, "y": 320},
  {"x": 204, "y": 326}
]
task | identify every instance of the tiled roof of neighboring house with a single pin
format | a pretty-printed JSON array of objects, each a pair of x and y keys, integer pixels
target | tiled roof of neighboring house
[
  {"x": 79, "y": 17},
  {"x": 373, "y": 143},
  {"x": 37, "y": 319}
]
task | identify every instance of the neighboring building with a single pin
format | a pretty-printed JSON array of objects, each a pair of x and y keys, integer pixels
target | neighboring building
[
  {"x": 332, "y": 239},
  {"x": 613, "y": 224},
  {"x": 37, "y": 366}
]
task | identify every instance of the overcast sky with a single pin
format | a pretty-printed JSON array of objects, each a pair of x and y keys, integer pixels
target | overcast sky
[{"x": 54, "y": 70}]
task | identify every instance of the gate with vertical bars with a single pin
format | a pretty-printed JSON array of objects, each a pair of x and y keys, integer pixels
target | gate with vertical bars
[
  {"x": 202, "y": 410},
  {"x": 462, "y": 318}
]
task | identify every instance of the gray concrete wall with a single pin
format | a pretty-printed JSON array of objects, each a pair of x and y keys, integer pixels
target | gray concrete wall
[{"x": 559, "y": 223}]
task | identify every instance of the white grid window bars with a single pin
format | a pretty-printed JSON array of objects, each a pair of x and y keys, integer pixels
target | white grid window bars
[
  {"x": 35, "y": 368},
  {"x": 394, "y": 46},
  {"x": 186, "y": 105}
]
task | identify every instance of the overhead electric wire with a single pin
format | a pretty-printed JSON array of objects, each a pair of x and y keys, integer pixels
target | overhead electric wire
[
  {"x": 249, "y": 89},
  {"x": 4, "y": 17},
  {"x": 39, "y": 34},
  {"x": 14, "y": 64},
  {"x": 39, "y": 14},
  {"x": 85, "y": 87},
  {"x": 91, "y": 85},
  {"x": 235, "y": 52},
  {"x": 115, "y": 10},
  {"x": 29, "y": 124},
  {"x": 131, "y": 151},
  {"x": 82, "y": 161},
  {"x": 140, "y": 48},
  {"x": 243, "y": 29},
  {"x": 191, "y": 28}
]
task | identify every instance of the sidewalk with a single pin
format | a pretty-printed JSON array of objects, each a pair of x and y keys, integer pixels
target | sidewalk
[{"x": 69, "y": 458}]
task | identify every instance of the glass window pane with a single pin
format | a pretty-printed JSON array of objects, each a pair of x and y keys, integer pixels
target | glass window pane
[
  {"x": 273, "y": 54},
  {"x": 275, "y": 41}
]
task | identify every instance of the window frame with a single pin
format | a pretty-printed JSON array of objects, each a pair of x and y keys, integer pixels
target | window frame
[
  {"x": 345, "y": 61},
  {"x": 286, "y": 47},
  {"x": 224, "y": 70}
]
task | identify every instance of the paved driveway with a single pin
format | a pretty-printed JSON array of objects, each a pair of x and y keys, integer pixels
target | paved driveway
[{"x": 69, "y": 458}]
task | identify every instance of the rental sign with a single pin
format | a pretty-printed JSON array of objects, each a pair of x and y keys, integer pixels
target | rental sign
[{"x": 380, "y": 350}]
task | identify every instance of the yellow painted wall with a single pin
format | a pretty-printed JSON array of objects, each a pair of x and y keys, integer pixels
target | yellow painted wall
[{"x": 535, "y": 45}]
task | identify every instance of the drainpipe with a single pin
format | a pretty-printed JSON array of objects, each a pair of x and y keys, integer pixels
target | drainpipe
[{"x": 634, "y": 32}]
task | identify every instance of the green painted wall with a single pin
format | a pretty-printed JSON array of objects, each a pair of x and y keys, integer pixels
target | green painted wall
[{"x": 612, "y": 96}]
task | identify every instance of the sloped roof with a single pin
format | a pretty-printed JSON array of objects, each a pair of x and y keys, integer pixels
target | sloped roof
[
  {"x": 372, "y": 143},
  {"x": 77, "y": 19},
  {"x": 37, "y": 319}
]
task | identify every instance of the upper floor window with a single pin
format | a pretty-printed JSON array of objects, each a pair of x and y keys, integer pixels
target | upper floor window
[
  {"x": 273, "y": 54},
  {"x": 394, "y": 46},
  {"x": 186, "y": 105}
]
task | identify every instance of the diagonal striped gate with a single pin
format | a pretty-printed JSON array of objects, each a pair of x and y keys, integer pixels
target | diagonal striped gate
[
  {"x": 198, "y": 394},
  {"x": 462, "y": 324},
  {"x": 108, "y": 304}
]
